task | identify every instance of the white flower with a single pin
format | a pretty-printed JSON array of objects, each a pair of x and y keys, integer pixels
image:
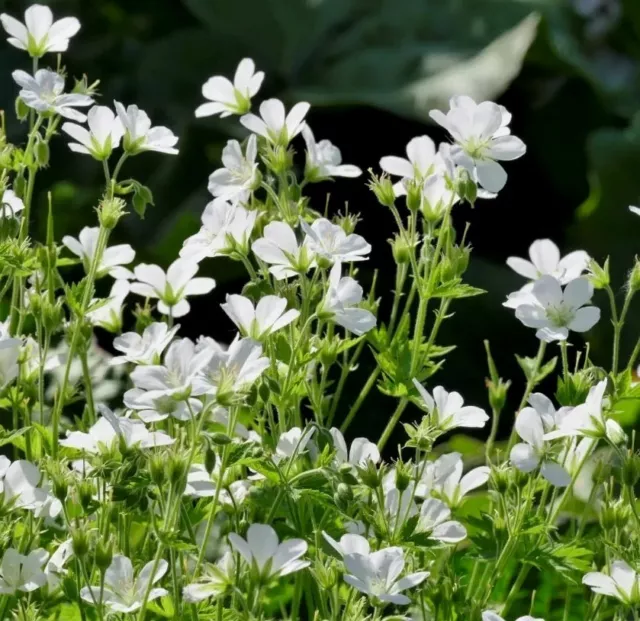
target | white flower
[
  {"x": 482, "y": 136},
  {"x": 201, "y": 484},
  {"x": 399, "y": 506},
  {"x": 436, "y": 197},
  {"x": 20, "y": 485},
  {"x": 227, "y": 98},
  {"x": 233, "y": 371},
  {"x": 551, "y": 418},
  {"x": 446, "y": 409},
  {"x": 104, "y": 134},
  {"x": 173, "y": 287},
  {"x": 340, "y": 303},
  {"x": 262, "y": 551},
  {"x": 145, "y": 349},
  {"x": 44, "y": 93},
  {"x": 121, "y": 592},
  {"x": 348, "y": 544},
  {"x": 109, "y": 428},
  {"x": 489, "y": 615},
  {"x": 623, "y": 583},
  {"x": 422, "y": 160},
  {"x": 177, "y": 378},
  {"x": 22, "y": 573},
  {"x": 588, "y": 419},
  {"x": 329, "y": 241},
  {"x": 220, "y": 416},
  {"x": 434, "y": 520},
  {"x": 533, "y": 452},
  {"x": 112, "y": 259},
  {"x": 153, "y": 406},
  {"x": 324, "y": 159},
  {"x": 454, "y": 487},
  {"x": 545, "y": 260},
  {"x": 40, "y": 34},
  {"x": 361, "y": 453},
  {"x": 10, "y": 205},
  {"x": 109, "y": 314},
  {"x": 225, "y": 228},
  {"x": 240, "y": 174},
  {"x": 215, "y": 581},
  {"x": 635, "y": 210},
  {"x": 293, "y": 443},
  {"x": 257, "y": 322},
  {"x": 139, "y": 136},
  {"x": 555, "y": 312},
  {"x": 377, "y": 575},
  {"x": 279, "y": 247},
  {"x": 9, "y": 354},
  {"x": 433, "y": 474},
  {"x": 274, "y": 124},
  {"x": 54, "y": 569}
]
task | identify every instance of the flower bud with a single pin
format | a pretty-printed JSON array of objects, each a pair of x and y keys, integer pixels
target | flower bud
[
  {"x": 278, "y": 159},
  {"x": 343, "y": 496},
  {"x": 500, "y": 479},
  {"x": 347, "y": 222},
  {"x": 633, "y": 281},
  {"x": 41, "y": 152},
  {"x": 220, "y": 439},
  {"x": 209, "y": 459},
  {"x": 157, "y": 466},
  {"x": 414, "y": 196},
  {"x": 176, "y": 469},
  {"x": 614, "y": 432},
  {"x": 80, "y": 543},
  {"x": 104, "y": 555},
  {"x": 346, "y": 474},
  {"x": 470, "y": 190},
  {"x": 631, "y": 469},
  {"x": 370, "y": 475},
  {"x": 329, "y": 351},
  {"x": 110, "y": 211},
  {"x": 326, "y": 575},
  {"x": 86, "y": 491},
  {"x": 22, "y": 110},
  {"x": 403, "y": 476},
  {"x": 19, "y": 185},
  {"x": 51, "y": 314},
  {"x": 60, "y": 487},
  {"x": 383, "y": 190},
  {"x": 599, "y": 276},
  {"x": 401, "y": 249},
  {"x": 497, "y": 393}
]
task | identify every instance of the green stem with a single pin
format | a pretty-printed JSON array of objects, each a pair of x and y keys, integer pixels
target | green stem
[
  {"x": 366, "y": 389},
  {"x": 88, "y": 386},
  {"x": 388, "y": 430}
]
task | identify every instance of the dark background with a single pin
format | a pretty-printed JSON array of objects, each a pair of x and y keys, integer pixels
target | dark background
[{"x": 568, "y": 71}]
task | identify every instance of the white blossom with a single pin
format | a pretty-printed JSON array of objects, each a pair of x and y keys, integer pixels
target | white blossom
[
  {"x": 225, "y": 228},
  {"x": 279, "y": 248},
  {"x": 340, "y": 303},
  {"x": 55, "y": 567},
  {"x": 482, "y": 139},
  {"x": 454, "y": 487},
  {"x": 23, "y": 489},
  {"x": 555, "y": 312},
  {"x": 446, "y": 409},
  {"x": 240, "y": 174},
  {"x": 109, "y": 314},
  {"x": 152, "y": 406},
  {"x": 324, "y": 159},
  {"x": 146, "y": 348},
  {"x": 10, "y": 205},
  {"x": 44, "y": 93},
  {"x": 22, "y": 573},
  {"x": 226, "y": 98},
  {"x": 173, "y": 287},
  {"x": 214, "y": 582},
  {"x": 489, "y": 615},
  {"x": 293, "y": 443},
  {"x": 348, "y": 544},
  {"x": 268, "y": 316},
  {"x": 40, "y": 34},
  {"x": 274, "y": 123},
  {"x": 104, "y": 134},
  {"x": 112, "y": 260},
  {"x": 360, "y": 454},
  {"x": 436, "y": 197},
  {"x": 331, "y": 242},
  {"x": 139, "y": 136},
  {"x": 122, "y": 593},
  {"x": 9, "y": 355},
  {"x": 263, "y": 552},
  {"x": 434, "y": 521},
  {"x": 202, "y": 484},
  {"x": 623, "y": 583}
]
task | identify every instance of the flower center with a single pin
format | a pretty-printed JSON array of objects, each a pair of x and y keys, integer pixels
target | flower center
[{"x": 561, "y": 315}]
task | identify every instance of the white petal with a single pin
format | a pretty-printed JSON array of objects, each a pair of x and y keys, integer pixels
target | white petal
[
  {"x": 491, "y": 175},
  {"x": 524, "y": 457},
  {"x": 578, "y": 292},
  {"x": 507, "y": 148},
  {"x": 585, "y": 318},
  {"x": 529, "y": 427},
  {"x": 555, "y": 474}
]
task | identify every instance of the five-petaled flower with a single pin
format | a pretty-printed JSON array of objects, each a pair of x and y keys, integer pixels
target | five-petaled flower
[
  {"x": 104, "y": 134},
  {"x": 324, "y": 159},
  {"x": 139, "y": 136},
  {"x": 22, "y": 572},
  {"x": 330, "y": 242},
  {"x": 279, "y": 248},
  {"x": 274, "y": 123},
  {"x": 240, "y": 174},
  {"x": 623, "y": 583},
  {"x": 268, "y": 316}
]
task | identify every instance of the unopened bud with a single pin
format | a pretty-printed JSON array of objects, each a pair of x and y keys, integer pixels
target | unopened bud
[
  {"x": 86, "y": 491},
  {"x": 157, "y": 469},
  {"x": 343, "y": 496},
  {"x": 104, "y": 555},
  {"x": 634, "y": 277},
  {"x": 209, "y": 460},
  {"x": 80, "y": 542},
  {"x": 599, "y": 275},
  {"x": 220, "y": 439},
  {"x": 110, "y": 211},
  {"x": 631, "y": 469},
  {"x": 414, "y": 196},
  {"x": 403, "y": 476},
  {"x": 383, "y": 190},
  {"x": 41, "y": 152},
  {"x": 370, "y": 475},
  {"x": 401, "y": 249},
  {"x": 176, "y": 469},
  {"x": 22, "y": 110}
]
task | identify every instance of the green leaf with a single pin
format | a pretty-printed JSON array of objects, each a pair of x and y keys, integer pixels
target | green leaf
[{"x": 528, "y": 365}]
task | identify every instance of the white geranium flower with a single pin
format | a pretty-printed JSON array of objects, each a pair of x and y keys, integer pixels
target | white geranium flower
[
  {"x": 551, "y": 418},
  {"x": 489, "y": 615},
  {"x": 555, "y": 312},
  {"x": 22, "y": 573},
  {"x": 145, "y": 349},
  {"x": 545, "y": 259},
  {"x": 588, "y": 419},
  {"x": 225, "y": 228},
  {"x": 274, "y": 124},
  {"x": 40, "y": 34},
  {"x": 422, "y": 160},
  {"x": 240, "y": 174},
  {"x": 216, "y": 580},
  {"x": 10, "y": 205},
  {"x": 257, "y": 322},
  {"x": 293, "y": 443},
  {"x": 113, "y": 259},
  {"x": 399, "y": 506},
  {"x": 153, "y": 406},
  {"x": 173, "y": 287},
  {"x": 331, "y": 242},
  {"x": 377, "y": 574},
  {"x": 528, "y": 455},
  {"x": 9, "y": 355},
  {"x": 436, "y": 197},
  {"x": 20, "y": 484},
  {"x": 104, "y": 134},
  {"x": 262, "y": 551},
  {"x": 201, "y": 484},
  {"x": 434, "y": 474},
  {"x": 110, "y": 428},
  {"x": 434, "y": 520},
  {"x": 454, "y": 487},
  {"x": 109, "y": 314},
  {"x": 232, "y": 372},
  {"x": 227, "y": 98},
  {"x": 279, "y": 248},
  {"x": 324, "y": 159},
  {"x": 482, "y": 139},
  {"x": 139, "y": 136},
  {"x": 123, "y": 594},
  {"x": 362, "y": 451},
  {"x": 623, "y": 583},
  {"x": 178, "y": 377},
  {"x": 446, "y": 409},
  {"x": 44, "y": 93},
  {"x": 220, "y": 416},
  {"x": 349, "y": 544},
  {"x": 340, "y": 303},
  {"x": 32, "y": 358},
  {"x": 55, "y": 567}
]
